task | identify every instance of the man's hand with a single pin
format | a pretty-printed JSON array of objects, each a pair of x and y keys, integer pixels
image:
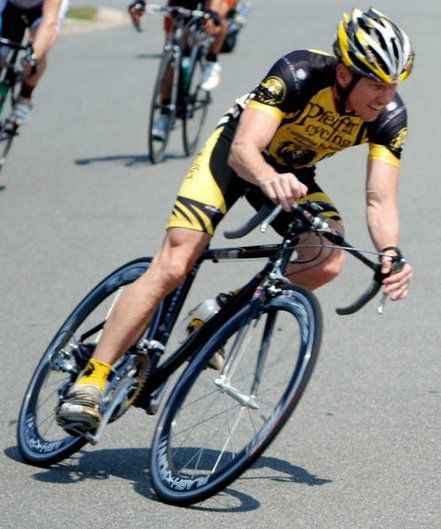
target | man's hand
[
  {"x": 395, "y": 286},
  {"x": 283, "y": 189},
  {"x": 136, "y": 11},
  {"x": 29, "y": 65}
]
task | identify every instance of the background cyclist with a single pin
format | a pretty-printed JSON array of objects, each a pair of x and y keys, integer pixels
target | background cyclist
[
  {"x": 43, "y": 19},
  {"x": 212, "y": 69}
]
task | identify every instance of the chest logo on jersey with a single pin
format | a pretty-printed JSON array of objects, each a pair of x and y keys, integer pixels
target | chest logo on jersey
[
  {"x": 325, "y": 125},
  {"x": 292, "y": 155},
  {"x": 271, "y": 91}
]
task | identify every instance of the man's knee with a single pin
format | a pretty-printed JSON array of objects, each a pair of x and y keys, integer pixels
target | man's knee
[
  {"x": 174, "y": 267},
  {"x": 332, "y": 267},
  {"x": 318, "y": 274},
  {"x": 180, "y": 251}
]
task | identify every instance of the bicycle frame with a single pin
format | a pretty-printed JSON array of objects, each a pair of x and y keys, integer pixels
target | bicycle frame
[
  {"x": 9, "y": 73},
  {"x": 182, "y": 39},
  {"x": 269, "y": 278},
  {"x": 156, "y": 337}
]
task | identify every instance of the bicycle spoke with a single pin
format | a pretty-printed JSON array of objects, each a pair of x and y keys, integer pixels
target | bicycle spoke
[
  {"x": 52, "y": 423},
  {"x": 40, "y": 439}
]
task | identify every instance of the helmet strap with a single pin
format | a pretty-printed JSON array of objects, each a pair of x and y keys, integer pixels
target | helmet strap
[{"x": 344, "y": 92}]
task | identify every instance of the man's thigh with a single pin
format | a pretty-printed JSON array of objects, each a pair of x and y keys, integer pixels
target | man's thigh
[{"x": 208, "y": 190}]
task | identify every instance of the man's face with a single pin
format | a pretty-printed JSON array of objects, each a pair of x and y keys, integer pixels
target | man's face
[{"x": 369, "y": 97}]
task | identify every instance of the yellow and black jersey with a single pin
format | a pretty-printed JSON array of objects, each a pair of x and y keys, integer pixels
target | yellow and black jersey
[{"x": 298, "y": 91}]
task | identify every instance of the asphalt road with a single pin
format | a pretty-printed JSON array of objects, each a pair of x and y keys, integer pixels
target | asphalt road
[{"x": 362, "y": 451}]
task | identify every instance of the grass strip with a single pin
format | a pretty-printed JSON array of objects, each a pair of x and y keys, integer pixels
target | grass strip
[{"x": 82, "y": 13}]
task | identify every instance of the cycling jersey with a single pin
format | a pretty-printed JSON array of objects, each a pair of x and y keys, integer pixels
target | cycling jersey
[
  {"x": 188, "y": 4},
  {"x": 18, "y": 15},
  {"x": 298, "y": 92}
]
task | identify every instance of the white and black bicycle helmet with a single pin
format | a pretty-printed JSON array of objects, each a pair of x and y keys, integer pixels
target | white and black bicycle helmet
[{"x": 371, "y": 45}]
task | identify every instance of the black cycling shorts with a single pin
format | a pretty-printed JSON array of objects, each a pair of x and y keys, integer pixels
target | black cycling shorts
[
  {"x": 211, "y": 187},
  {"x": 15, "y": 21}
]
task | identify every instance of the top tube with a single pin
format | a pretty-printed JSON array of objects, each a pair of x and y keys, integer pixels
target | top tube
[{"x": 13, "y": 45}]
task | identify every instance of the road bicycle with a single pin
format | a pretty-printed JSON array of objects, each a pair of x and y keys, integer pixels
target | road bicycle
[
  {"x": 177, "y": 92},
  {"x": 10, "y": 81},
  {"x": 214, "y": 423}
]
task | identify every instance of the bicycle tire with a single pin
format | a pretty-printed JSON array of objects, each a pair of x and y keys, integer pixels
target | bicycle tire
[
  {"x": 230, "y": 41},
  {"x": 157, "y": 147},
  {"x": 33, "y": 444},
  {"x": 6, "y": 140},
  {"x": 7, "y": 133},
  {"x": 195, "y": 108},
  {"x": 212, "y": 469}
]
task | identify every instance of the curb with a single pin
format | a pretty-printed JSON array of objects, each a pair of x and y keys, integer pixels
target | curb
[{"x": 106, "y": 18}]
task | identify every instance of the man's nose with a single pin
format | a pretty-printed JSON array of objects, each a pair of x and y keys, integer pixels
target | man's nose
[{"x": 387, "y": 95}]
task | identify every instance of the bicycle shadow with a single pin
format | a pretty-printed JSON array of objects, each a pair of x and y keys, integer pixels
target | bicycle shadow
[
  {"x": 127, "y": 160},
  {"x": 156, "y": 55},
  {"x": 132, "y": 465}
]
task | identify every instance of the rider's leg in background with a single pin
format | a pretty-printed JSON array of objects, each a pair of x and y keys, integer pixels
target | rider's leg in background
[
  {"x": 161, "y": 124},
  {"x": 212, "y": 70},
  {"x": 44, "y": 30}
]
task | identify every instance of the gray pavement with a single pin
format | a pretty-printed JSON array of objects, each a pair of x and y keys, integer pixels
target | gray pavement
[{"x": 362, "y": 450}]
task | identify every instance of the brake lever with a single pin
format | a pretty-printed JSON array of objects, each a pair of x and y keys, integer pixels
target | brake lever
[
  {"x": 397, "y": 266},
  {"x": 270, "y": 218}
]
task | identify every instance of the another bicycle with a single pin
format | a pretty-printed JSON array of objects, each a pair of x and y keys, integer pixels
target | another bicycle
[
  {"x": 180, "y": 77},
  {"x": 10, "y": 81},
  {"x": 214, "y": 424}
]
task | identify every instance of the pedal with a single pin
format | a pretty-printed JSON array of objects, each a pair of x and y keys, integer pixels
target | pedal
[{"x": 76, "y": 428}]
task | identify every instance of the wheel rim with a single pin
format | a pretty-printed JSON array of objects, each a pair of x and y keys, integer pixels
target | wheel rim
[
  {"x": 39, "y": 436},
  {"x": 195, "y": 110},
  {"x": 157, "y": 147},
  {"x": 193, "y": 451}
]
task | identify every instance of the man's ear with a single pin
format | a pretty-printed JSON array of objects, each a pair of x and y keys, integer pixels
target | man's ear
[{"x": 343, "y": 75}]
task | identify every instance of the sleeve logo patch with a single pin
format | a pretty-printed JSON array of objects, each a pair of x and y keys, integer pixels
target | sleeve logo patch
[
  {"x": 272, "y": 90},
  {"x": 399, "y": 139}
]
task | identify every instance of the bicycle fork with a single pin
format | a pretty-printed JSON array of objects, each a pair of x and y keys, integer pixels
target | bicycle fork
[{"x": 240, "y": 345}]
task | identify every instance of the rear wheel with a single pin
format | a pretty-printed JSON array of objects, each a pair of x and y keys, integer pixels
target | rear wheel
[
  {"x": 41, "y": 441},
  {"x": 195, "y": 108},
  {"x": 216, "y": 424},
  {"x": 163, "y": 107}
]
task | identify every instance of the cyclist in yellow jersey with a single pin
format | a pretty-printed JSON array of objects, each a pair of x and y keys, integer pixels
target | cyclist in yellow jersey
[{"x": 309, "y": 106}]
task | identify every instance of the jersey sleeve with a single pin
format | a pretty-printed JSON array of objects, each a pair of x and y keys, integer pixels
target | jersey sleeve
[
  {"x": 275, "y": 91},
  {"x": 388, "y": 135}
]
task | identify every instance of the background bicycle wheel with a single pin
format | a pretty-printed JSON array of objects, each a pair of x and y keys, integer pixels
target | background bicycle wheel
[{"x": 363, "y": 450}]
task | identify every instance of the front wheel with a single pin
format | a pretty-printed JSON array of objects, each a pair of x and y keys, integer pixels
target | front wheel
[
  {"x": 216, "y": 424},
  {"x": 40, "y": 440},
  {"x": 163, "y": 107},
  {"x": 8, "y": 130},
  {"x": 195, "y": 108}
]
